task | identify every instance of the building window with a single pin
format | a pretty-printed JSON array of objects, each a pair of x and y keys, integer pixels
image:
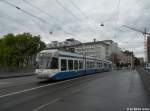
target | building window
[
  {"x": 76, "y": 65},
  {"x": 70, "y": 64},
  {"x": 63, "y": 65}
]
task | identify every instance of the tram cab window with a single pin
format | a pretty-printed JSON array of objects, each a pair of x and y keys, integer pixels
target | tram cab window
[
  {"x": 76, "y": 65},
  {"x": 91, "y": 64},
  {"x": 54, "y": 63},
  {"x": 80, "y": 64},
  {"x": 70, "y": 64},
  {"x": 63, "y": 64}
]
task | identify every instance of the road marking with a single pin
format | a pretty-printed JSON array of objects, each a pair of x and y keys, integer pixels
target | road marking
[
  {"x": 44, "y": 105},
  {"x": 34, "y": 88}
]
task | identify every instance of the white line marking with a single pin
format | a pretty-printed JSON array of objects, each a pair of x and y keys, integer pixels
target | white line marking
[
  {"x": 34, "y": 88},
  {"x": 44, "y": 105}
]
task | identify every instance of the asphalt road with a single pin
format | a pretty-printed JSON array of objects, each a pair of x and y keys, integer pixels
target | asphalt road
[{"x": 109, "y": 91}]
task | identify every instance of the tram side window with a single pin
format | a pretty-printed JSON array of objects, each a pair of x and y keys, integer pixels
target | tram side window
[
  {"x": 87, "y": 64},
  {"x": 54, "y": 63},
  {"x": 97, "y": 64},
  {"x": 63, "y": 65},
  {"x": 100, "y": 64},
  {"x": 70, "y": 64},
  {"x": 80, "y": 64},
  {"x": 93, "y": 64},
  {"x": 76, "y": 65},
  {"x": 105, "y": 65},
  {"x": 109, "y": 65}
]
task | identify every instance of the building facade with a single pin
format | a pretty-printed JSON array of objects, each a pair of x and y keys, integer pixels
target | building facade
[
  {"x": 67, "y": 42},
  {"x": 94, "y": 49}
]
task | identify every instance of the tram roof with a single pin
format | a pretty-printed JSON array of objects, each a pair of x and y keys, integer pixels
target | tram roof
[
  {"x": 65, "y": 53},
  {"x": 56, "y": 51}
]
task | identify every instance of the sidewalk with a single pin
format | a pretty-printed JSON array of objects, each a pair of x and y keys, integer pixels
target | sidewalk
[{"x": 6, "y": 75}]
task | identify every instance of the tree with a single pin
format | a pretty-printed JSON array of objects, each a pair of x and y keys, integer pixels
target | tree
[
  {"x": 136, "y": 62},
  {"x": 19, "y": 50}
]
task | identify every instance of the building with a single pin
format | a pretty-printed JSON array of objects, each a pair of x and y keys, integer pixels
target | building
[
  {"x": 67, "y": 42},
  {"x": 125, "y": 59},
  {"x": 95, "y": 49}
]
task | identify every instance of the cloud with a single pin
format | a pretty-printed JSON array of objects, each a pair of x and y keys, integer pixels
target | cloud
[{"x": 85, "y": 26}]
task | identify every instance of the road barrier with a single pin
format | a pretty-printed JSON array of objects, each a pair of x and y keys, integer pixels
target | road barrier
[{"x": 16, "y": 72}]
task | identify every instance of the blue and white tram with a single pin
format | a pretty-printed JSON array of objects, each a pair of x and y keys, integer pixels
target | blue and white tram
[{"x": 58, "y": 65}]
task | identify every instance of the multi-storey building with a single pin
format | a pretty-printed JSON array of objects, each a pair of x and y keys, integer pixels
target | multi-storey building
[
  {"x": 94, "y": 49},
  {"x": 67, "y": 42}
]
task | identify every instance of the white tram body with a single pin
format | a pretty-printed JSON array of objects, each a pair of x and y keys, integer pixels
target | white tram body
[{"x": 58, "y": 65}]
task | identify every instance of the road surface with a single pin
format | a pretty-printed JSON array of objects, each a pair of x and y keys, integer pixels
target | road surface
[{"x": 108, "y": 91}]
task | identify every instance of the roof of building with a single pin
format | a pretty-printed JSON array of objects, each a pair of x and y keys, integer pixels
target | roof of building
[{"x": 86, "y": 43}]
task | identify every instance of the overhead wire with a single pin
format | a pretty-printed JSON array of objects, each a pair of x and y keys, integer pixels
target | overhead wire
[
  {"x": 28, "y": 13},
  {"x": 82, "y": 13},
  {"x": 70, "y": 12},
  {"x": 25, "y": 12},
  {"x": 117, "y": 19},
  {"x": 75, "y": 5},
  {"x": 45, "y": 12},
  {"x": 22, "y": 24}
]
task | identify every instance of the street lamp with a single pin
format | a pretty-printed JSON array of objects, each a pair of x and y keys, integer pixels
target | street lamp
[{"x": 102, "y": 24}]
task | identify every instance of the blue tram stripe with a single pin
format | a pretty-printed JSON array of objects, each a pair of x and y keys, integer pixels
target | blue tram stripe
[{"x": 71, "y": 74}]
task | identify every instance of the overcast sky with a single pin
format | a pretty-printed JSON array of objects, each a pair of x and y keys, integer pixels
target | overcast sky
[{"x": 79, "y": 19}]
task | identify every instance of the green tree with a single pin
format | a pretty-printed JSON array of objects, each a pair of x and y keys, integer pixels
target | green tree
[{"x": 19, "y": 50}]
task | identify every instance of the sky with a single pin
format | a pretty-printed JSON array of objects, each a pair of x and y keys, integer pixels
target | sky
[{"x": 79, "y": 19}]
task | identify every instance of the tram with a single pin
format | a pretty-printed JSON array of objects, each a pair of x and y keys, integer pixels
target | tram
[{"x": 58, "y": 65}]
